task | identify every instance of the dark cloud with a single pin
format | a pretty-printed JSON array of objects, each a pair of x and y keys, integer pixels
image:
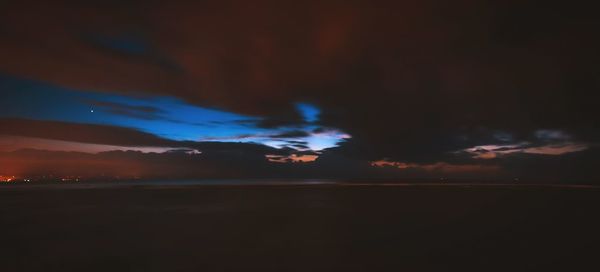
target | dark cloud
[
  {"x": 119, "y": 136},
  {"x": 291, "y": 134},
  {"x": 296, "y": 142},
  {"x": 83, "y": 133},
  {"x": 181, "y": 164},
  {"x": 578, "y": 167},
  {"x": 300, "y": 146}
]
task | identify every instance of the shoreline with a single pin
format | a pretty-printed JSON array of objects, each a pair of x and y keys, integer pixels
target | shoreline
[{"x": 287, "y": 184}]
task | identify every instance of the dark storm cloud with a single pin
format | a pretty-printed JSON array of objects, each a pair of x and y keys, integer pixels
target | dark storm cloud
[
  {"x": 84, "y": 133},
  {"x": 408, "y": 80},
  {"x": 578, "y": 167},
  {"x": 119, "y": 136},
  {"x": 181, "y": 164},
  {"x": 300, "y": 146},
  {"x": 291, "y": 134}
]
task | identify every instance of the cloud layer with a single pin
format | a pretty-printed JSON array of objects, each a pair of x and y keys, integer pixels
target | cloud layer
[{"x": 412, "y": 82}]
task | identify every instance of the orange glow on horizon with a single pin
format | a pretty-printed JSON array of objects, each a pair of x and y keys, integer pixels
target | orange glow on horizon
[
  {"x": 437, "y": 167},
  {"x": 292, "y": 158}
]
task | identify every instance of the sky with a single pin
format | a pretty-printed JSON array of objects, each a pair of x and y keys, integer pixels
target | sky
[{"x": 405, "y": 90}]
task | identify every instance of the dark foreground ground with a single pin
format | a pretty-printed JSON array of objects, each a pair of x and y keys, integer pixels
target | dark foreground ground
[{"x": 300, "y": 228}]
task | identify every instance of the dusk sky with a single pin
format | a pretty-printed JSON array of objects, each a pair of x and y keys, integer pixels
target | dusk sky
[{"x": 464, "y": 90}]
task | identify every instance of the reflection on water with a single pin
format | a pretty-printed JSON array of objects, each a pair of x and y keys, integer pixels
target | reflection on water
[{"x": 175, "y": 183}]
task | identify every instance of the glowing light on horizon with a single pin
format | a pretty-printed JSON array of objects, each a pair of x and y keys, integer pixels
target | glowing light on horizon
[
  {"x": 294, "y": 158},
  {"x": 441, "y": 167}
]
